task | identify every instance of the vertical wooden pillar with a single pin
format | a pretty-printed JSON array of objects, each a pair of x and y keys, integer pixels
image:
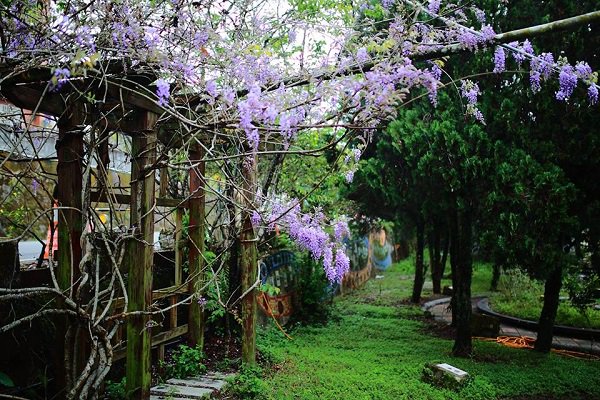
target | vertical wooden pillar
[
  {"x": 196, "y": 232},
  {"x": 178, "y": 265},
  {"x": 248, "y": 263},
  {"x": 139, "y": 258},
  {"x": 69, "y": 149}
]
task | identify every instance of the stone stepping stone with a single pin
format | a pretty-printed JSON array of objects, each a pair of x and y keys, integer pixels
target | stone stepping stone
[
  {"x": 216, "y": 375},
  {"x": 200, "y": 382},
  {"x": 171, "y": 391}
]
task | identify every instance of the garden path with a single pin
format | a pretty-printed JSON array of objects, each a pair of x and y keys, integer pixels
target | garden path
[
  {"x": 198, "y": 387},
  {"x": 440, "y": 312}
]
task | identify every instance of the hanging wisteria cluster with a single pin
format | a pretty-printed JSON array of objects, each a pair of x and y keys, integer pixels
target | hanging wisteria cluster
[{"x": 222, "y": 53}]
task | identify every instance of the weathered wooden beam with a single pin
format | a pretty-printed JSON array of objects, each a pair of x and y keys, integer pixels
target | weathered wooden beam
[
  {"x": 118, "y": 198},
  {"x": 248, "y": 263},
  {"x": 157, "y": 339},
  {"x": 178, "y": 263},
  {"x": 69, "y": 149},
  {"x": 31, "y": 99},
  {"x": 197, "y": 203},
  {"x": 139, "y": 258}
]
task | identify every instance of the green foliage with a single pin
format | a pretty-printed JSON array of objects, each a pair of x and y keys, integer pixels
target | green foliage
[
  {"x": 314, "y": 302},
  {"x": 219, "y": 284},
  {"x": 247, "y": 384},
  {"x": 5, "y": 380},
  {"x": 184, "y": 362},
  {"x": 378, "y": 348},
  {"x": 116, "y": 390},
  {"x": 521, "y": 297}
]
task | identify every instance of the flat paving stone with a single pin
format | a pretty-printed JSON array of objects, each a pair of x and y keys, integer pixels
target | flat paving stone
[
  {"x": 185, "y": 391},
  {"x": 199, "y": 381},
  {"x": 215, "y": 375},
  {"x": 159, "y": 397}
]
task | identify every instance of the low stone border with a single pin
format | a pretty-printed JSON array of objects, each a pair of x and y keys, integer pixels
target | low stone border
[
  {"x": 483, "y": 307},
  {"x": 430, "y": 304}
]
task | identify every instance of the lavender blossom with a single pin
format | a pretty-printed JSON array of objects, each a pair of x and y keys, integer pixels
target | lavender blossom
[
  {"x": 59, "y": 78},
  {"x": 593, "y": 94},
  {"x": 342, "y": 264},
  {"x": 341, "y": 230},
  {"x": 499, "y": 60},
  {"x": 568, "y": 82},
  {"x": 255, "y": 219},
  {"x": 434, "y": 6},
  {"x": 162, "y": 92}
]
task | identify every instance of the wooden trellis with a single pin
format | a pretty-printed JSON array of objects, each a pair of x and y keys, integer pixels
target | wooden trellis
[{"x": 125, "y": 110}]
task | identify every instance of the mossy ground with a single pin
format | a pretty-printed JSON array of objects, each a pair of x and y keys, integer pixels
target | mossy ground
[{"x": 377, "y": 347}]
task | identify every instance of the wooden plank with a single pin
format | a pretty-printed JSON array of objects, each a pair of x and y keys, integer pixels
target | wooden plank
[
  {"x": 119, "y": 198},
  {"x": 157, "y": 340},
  {"x": 196, "y": 229},
  {"x": 119, "y": 302},
  {"x": 139, "y": 259},
  {"x": 248, "y": 264}
]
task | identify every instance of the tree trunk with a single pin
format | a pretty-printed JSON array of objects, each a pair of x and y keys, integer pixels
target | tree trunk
[
  {"x": 445, "y": 252},
  {"x": 497, "y": 271},
  {"x": 434, "y": 258},
  {"x": 453, "y": 246},
  {"x": 461, "y": 277},
  {"x": 419, "y": 267},
  {"x": 546, "y": 323}
]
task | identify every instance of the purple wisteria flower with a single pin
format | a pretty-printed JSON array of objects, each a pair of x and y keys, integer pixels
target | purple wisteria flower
[
  {"x": 479, "y": 14},
  {"x": 568, "y": 82},
  {"x": 387, "y": 3},
  {"x": 162, "y": 92},
  {"x": 433, "y": 6},
  {"x": 341, "y": 230},
  {"x": 211, "y": 88},
  {"x": 202, "y": 301},
  {"x": 255, "y": 218},
  {"x": 362, "y": 55},
  {"x": 499, "y": 60},
  {"x": 350, "y": 176},
  {"x": 593, "y": 94},
  {"x": 342, "y": 264},
  {"x": 59, "y": 78}
]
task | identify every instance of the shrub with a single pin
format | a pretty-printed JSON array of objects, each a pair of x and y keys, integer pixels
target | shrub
[
  {"x": 184, "y": 362},
  {"x": 116, "y": 390},
  {"x": 314, "y": 294},
  {"x": 248, "y": 384}
]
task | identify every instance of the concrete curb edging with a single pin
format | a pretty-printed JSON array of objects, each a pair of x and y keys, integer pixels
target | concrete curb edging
[{"x": 568, "y": 331}]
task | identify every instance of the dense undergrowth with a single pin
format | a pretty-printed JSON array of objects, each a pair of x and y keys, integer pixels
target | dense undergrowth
[{"x": 378, "y": 346}]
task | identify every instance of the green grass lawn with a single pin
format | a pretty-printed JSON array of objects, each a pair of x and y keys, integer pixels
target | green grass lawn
[{"x": 377, "y": 346}]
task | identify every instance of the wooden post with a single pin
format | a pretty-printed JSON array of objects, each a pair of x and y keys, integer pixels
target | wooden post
[
  {"x": 139, "y": 258},
  {"x": 178, "y": 265},
  {"x": 196, "y": 232},
  {"x": 248, "y": 263},
  {"x": 69, "y": 149}
]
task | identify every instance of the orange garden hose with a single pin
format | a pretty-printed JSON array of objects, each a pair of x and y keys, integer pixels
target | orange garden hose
[
  {"x": 527, "y": 342},
  {"x": 273, "y": 316}
]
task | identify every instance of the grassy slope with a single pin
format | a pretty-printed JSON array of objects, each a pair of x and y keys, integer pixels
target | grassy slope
[{"x": 377, "y": 349}]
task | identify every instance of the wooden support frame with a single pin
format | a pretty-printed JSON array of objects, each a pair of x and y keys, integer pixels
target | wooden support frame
[
  {"x": 197, "y": 204},
  {"x": 139, "y": 258},
  {"x": 248, "y": 263}
]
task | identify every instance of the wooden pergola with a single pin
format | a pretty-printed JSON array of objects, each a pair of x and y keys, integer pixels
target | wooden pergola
[{"x": 128, "y": 107}]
